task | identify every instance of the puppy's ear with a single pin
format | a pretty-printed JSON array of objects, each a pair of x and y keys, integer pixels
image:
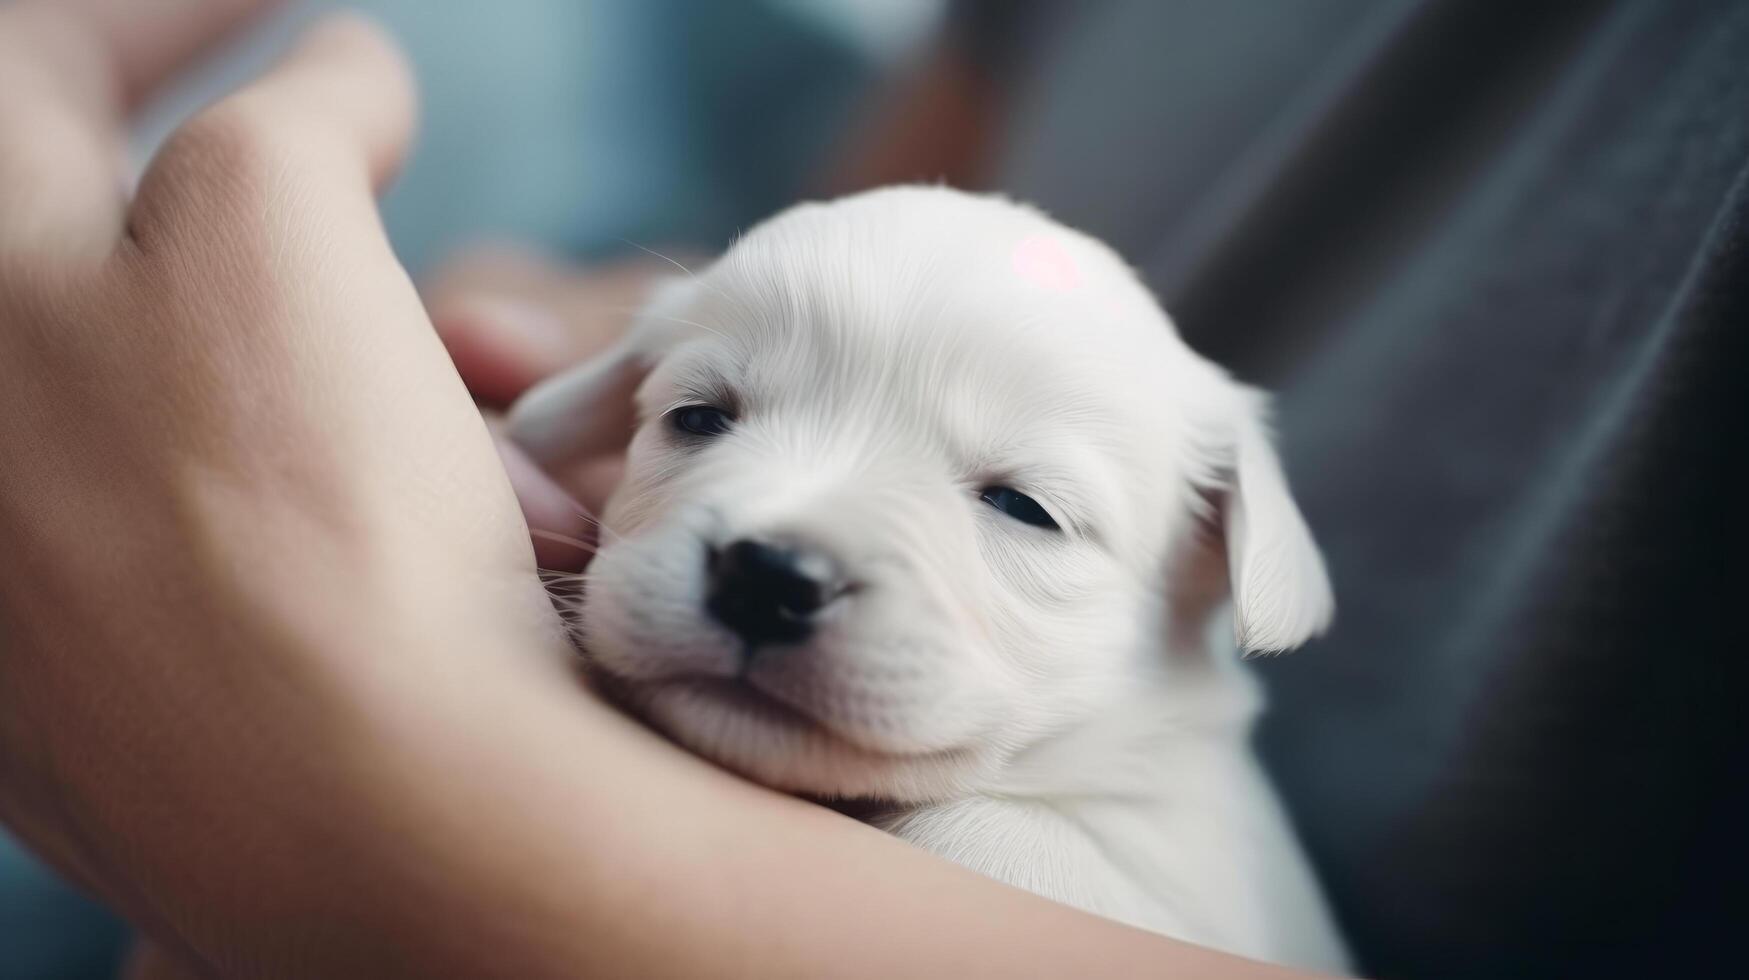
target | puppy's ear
[
  {"x": 1281, "y": 591},
  {"x": 589, "y": 410}
]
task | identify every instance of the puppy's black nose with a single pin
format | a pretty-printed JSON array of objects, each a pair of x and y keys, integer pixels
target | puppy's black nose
[{"x": 765, "y": 593}]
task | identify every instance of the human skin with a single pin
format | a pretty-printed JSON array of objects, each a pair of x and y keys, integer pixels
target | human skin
[{"x": 277, "y": 679}]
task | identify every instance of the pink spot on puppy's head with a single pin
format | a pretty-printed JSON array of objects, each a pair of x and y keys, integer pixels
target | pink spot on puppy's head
[{"x": 1043, "y": 261}]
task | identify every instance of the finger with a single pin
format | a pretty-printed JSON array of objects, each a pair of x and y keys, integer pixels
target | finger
[
  {"x": 592, "y": 481},
  {"x": 68, "y": 72},
  {"x": 510, "y": 318},
  {"x": 501, "y": 346},
  {"x": 149, "y": 41},
  {"x": 563, "y": 537},
  {"x": 306, "y": 146}
]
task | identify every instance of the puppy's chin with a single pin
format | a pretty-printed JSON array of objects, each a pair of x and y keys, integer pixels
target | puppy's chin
[
  {"x": 750, "y": 733},
  {"x": 862, "y": 710}
]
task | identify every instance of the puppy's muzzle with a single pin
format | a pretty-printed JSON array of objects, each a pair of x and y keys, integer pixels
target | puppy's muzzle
[{"x": 767, "y": 593}]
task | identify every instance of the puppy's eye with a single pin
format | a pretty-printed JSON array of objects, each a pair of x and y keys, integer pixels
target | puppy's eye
[
  {"x": 1018, "y": 506},
  {"x": 700, "y": 420}
]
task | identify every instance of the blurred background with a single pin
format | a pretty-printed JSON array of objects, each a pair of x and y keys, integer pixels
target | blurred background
[
  {"x": 569, "y": 125},
  {"x": 1494, "y": 258}
]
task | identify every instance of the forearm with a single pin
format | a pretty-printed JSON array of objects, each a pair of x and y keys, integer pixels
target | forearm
[{"x": 574, "y": 842}]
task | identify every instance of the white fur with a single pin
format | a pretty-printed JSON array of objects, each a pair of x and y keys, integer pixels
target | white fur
[{"x": 1042, "y": 706}]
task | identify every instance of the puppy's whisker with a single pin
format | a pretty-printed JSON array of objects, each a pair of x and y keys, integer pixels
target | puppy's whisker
[
  {"x": 578, "y": 543},
  {"x": 686, "y": 322},
  {"x": 600, "y": 525},
  {"x": 676, "y": 264}
]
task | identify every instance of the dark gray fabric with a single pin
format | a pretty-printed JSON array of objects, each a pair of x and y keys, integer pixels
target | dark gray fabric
[{"x": 1493, "y": 258}]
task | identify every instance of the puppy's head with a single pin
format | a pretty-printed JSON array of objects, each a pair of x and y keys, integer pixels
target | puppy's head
[{"x": 907, "y": 474}]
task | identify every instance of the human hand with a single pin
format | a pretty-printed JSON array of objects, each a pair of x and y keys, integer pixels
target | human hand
[
  {"x": 248, "y": 508},
  {"x": 511, "y": 318}
]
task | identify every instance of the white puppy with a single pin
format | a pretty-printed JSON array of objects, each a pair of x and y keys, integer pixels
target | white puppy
[{"x": 927, "y": 504}]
